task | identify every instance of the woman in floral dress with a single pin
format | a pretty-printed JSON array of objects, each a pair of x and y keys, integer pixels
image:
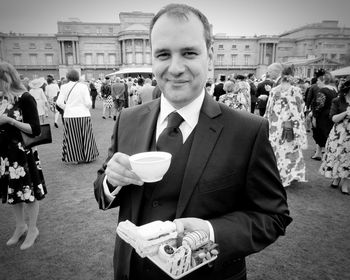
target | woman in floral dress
[
  {"x": 286, "y": 106},
  {"x": 237, "y": 95},
  {"x": 336, "y": 159},
  {"x": 21, "y": 177}
]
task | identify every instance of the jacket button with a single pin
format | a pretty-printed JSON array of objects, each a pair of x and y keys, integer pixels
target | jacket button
[{"x": 155, "y": 203}]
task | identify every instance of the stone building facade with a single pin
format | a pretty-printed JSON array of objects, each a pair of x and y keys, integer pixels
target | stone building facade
[{"x": 97, "y": 49}]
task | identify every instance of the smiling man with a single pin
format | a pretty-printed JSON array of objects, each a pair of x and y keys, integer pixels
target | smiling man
[{"x": 223, "y": 177}]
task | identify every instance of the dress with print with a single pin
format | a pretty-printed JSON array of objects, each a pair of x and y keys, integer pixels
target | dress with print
[
  {"x": 336, "y": 159},
  {"x": 239, "y": 98},
  {"x": 21, "y": 176},
  {"x": 286, "y": 103}
]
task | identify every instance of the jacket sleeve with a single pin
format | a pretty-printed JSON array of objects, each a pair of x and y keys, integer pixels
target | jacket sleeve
[{"x": 265, "y": 214}]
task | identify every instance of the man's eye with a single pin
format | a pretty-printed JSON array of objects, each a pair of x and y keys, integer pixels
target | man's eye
[
  {"x": 190, "y": 54},
  {"x": 162, "y": 55}
]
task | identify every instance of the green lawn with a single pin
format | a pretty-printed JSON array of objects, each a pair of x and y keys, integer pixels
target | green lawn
[{"x": 76, "y": 238}]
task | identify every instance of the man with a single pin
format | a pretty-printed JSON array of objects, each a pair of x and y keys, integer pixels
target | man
[
  {"x": 253, "y": 98},
  {"x": 146, "y": 91},
  {"x": 223, "y": 179},
  {"x": 262, "y": 93},
  {"x": 107, "y": 98},
  {"x": 118, "y": 96},
  {"x": 219, "y": 88}
]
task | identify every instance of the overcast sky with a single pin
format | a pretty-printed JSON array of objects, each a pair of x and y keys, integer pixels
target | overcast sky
[{"x": 233, "y": 17}]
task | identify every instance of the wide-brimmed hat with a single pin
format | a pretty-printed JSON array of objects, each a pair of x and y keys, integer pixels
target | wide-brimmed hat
[{"x": 36, "y": 83}]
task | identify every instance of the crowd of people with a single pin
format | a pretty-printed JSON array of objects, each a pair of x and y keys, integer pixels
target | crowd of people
[
  {"x": 295, "y": 106},
  {"x": 231, "y": 193}
]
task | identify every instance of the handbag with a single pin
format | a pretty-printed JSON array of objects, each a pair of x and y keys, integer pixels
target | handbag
[
  {"x": 287, "y": 131},
  {"x": 44, "y": 137}
]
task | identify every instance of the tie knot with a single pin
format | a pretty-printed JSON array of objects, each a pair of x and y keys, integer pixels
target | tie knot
[{"x": 174, "y": 119}]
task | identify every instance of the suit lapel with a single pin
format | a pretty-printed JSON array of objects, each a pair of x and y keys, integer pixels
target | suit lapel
[
  {"x": 144, "y": 126},
  {"x": 206, "y": 134}
]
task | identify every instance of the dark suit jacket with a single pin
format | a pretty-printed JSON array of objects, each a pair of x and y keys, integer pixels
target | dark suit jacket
[
  {"x": 261, "y": 90},
  {"x": 231, "y": 179},
  {"x": 218, "y": 91}
]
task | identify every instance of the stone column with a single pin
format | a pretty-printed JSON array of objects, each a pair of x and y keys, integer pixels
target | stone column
[
  {"x": 260, "y": 53},
  {"x": 74, "y": 55},
  {"x": 133, "y": 51},
  {"x": 77, "y": 51},
  {"x": 63, "y": 54},
  {"x": 124, "y": 52},
  {"x": 144, "y": 51},
  {"x": 60, "y": 53},
  {"x": 264, "y": 53},
  {"x": 273, "y": 52}
]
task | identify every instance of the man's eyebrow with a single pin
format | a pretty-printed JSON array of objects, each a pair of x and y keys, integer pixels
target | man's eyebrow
[{"x": 161, "y": 50}]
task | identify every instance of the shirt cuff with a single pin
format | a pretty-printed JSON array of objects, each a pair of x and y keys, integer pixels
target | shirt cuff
[
  {"x": 107, "y": 188},
  {"x": 211, "y": 232}
]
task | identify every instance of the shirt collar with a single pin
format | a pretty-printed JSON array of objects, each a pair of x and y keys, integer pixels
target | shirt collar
[{"x": 190, "y": 112}]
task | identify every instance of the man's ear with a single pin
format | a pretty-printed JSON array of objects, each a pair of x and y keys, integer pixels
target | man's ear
[{"x": 211, "y": 57}]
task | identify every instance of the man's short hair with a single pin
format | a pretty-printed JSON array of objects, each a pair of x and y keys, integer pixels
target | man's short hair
[{"x": 182, "y": 11}]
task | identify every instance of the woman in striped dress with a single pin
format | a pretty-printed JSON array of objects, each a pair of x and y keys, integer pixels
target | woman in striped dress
[{"x": 79, "y": 143}]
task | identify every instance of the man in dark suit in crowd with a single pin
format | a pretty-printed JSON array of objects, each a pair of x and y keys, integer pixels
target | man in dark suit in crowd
[
  {"x": 262, "y": 93},
  {"x": 219, "y": 88},
  {"x": 222, "y": 179},
  {"x": 253, "y": 97}
]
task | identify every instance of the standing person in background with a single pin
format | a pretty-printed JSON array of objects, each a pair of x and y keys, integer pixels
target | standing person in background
[
  {"x": 107, "y": 100},
  {"x": 52, "y": 90},
  {"x": 79, "y": 144},
  {"x": 41, "y": 101},
  {"x": 93, "y": 94},
  {"x": 222, "y": 179},
  {"x": 21, "y": 179},
  {"x": 146, "y": 92},
  {"x": 118, "y": 96},
  {"x": 321, "y": 123},
  {"x": 285, "y": 113},
  {"x": 253, "y": 98},
  {"x": 138, "y": 84},
  {"x": 242, "y": 91},
  {"x": 336, "y": 159},
  {"x": 262, "y": 94},
  {"x": 219, "y": 88}
]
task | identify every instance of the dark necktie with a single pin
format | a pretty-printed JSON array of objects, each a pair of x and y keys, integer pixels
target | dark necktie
[{"x": 170, "y": 140}]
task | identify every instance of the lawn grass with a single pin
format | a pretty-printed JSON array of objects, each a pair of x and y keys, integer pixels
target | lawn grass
[{"x": 77, "y": 239}]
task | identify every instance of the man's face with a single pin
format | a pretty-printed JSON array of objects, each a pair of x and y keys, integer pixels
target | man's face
[{"x": 180, "y": 58}]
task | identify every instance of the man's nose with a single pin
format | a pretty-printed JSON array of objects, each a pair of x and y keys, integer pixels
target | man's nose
[{"x": 177, "y": 65}]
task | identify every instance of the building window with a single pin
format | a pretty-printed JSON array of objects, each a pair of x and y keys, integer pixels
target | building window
[
  {"x": 98, "y": 30},
  {"x": 32, "y": 46},
  {"x": 148, "y": 58},
  {"x": 110, "y": 29},
  {"x": 17, "y": 59},
  {"x": 67, "y": 28},
  {"x": 129, "y": 58},
  {"x": 221, "y": 47},
  {"x": 48, "y": 46},
  {"x": 70, "y": 60},
  {"x": 111, "y": 59},
  {"x": 33, "y": 58},
  {"x": 246, "y": 59},
  {"x": 49, "y": 59},
  {"x": 88, "y": 58},
  {"x": 16, "y": 46},
  {"x": 246, "y": 47},
  {"x": 100, "y": 58},
  {"x": 138, "y": 57},
  {"x": 87, "y": 29},
  {"x": 234, "y": 59},
  {"x": 234, "y": 47},
  {"x": 333, "y": 56},
  {"x": 220, "y": 59}
]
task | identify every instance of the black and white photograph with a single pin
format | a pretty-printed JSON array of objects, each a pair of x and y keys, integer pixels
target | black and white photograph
[{"x": 159, "y": 140}]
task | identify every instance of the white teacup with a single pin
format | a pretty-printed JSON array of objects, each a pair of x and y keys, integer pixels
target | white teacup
[{"x": 150, "y": 166}]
